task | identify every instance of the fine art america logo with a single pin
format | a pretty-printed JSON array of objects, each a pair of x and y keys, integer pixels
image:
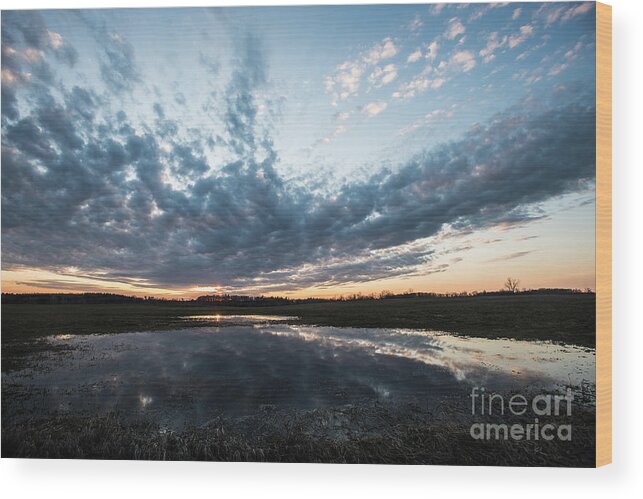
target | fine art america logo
[{"x": 531, "y": 417}]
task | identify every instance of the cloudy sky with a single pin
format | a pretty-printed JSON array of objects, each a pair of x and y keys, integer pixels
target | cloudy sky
[{"x": 300, "y": 151}]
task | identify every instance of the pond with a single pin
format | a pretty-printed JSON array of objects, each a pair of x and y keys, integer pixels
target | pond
[{"x": 245, "y": 364}]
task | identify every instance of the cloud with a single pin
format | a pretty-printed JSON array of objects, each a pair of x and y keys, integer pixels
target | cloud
[
  {"x": 414, "y": 56},
  {"x": 434, "y": 77},
  {"x": 374, "y": 108},
  {"x": 438, "y": 114},
  {"x": 436, "y": 10},
  {"x": 454, "y": 28},
  {"x": 569, "y": 56},
  {"x": 525, "y": 32},
  {"x": 27, "y": 45},
  {"x": 552, "y": 13},
  {"x": 577, "y": 10},
  {"x": 343, "y": 116},
  {"x": 511, "y": 256},
  {"x": 480, "y": 12},
  {"x": 516, "y": 14},
  {"x": 383, "y": 76},
  {"x": 242, "y": 226},
  {"x": 416, "y": 23},
  {"x": 61, "y": 284},
  {"x": 345, "y": 81},
  {"x": 381, "y": 51},
  {"x": 26, "y": 26},
  {"x": 557, "y": 69},
  {"x": 431, "y": 118},
  {"x": 118, "y": 66},
  {"x": 62, "y": 50},
  {"x": 117, "y": 56},
  {"x": 572, "y": 53},
  {"x": 463, "y": 59},
  {"x": 529, "y": 76},
  {"x": 549, "y": 14},
  {"x": 339, "y": 130},
  {"x": 417, "y": 85},
  {"x": 432, "y": 50},
  {"x": 431, "y": 53},
  {"x": 494, "y": 42},
  {"x": 240, "y": 116}
]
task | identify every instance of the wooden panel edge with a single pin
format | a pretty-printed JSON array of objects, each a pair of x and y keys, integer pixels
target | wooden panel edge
[{"x": 603, "y": 234}]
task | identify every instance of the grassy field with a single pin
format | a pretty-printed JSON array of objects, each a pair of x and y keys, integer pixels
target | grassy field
[
  {"x": 353, "y": 434},
  {"x": 564, "y": 318},
  {"x": 371, "y": 434}
]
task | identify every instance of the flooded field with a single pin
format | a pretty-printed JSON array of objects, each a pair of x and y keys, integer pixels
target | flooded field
[{"x": 242, "y": 365}]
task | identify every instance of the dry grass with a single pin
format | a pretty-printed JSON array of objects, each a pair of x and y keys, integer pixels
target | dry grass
[{"x": 375, "y": 434}]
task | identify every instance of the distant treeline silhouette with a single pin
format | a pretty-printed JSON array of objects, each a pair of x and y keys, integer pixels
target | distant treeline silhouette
[
  {"x": 250, "y": 301},
  {"x": 60, "y": 298}
]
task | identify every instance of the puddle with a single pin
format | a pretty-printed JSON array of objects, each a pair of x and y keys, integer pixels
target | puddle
[
  {"x": 189, "y": 376},
  {"x": 221, "y": 319}
]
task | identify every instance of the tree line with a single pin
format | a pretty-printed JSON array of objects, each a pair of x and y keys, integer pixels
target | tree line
[{"x": 249, "y": 301}]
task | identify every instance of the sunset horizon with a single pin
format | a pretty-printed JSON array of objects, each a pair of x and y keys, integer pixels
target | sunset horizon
[{"x": 348, "y": 291}]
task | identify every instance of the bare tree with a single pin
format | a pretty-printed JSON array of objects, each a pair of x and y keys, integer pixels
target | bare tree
[{"x": 511, "y": 285}]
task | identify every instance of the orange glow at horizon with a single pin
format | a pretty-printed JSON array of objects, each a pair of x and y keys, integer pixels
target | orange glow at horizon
[
  {"x": 12, "y": 282},
  {"x": 556, "y": 252}
]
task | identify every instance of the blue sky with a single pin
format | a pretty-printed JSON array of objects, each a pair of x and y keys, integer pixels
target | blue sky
[{"x": 298, "y": 150}]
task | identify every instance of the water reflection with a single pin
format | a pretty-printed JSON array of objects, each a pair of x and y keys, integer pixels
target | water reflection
[
  {"x": 220, "y": 319},
  {"x": 189, "y": 376},
  {"x": 467, "y": 358}
]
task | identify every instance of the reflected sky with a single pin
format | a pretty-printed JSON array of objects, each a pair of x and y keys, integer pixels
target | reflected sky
[
  {"x": 239, "y": 319},
  {"x": 190, "y": 376}
]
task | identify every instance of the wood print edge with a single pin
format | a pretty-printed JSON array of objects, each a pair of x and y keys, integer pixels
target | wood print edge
[{"x": 603, "y": 234}]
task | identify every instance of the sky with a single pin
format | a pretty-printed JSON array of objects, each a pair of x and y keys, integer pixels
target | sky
[{"x": 299, "y": 151}]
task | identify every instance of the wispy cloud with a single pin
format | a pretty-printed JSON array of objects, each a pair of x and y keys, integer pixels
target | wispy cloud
[
  {"x": 416, "y": 23},
  {"x": 510, "y": 256},
  {"x": 437, "y": 116}
]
